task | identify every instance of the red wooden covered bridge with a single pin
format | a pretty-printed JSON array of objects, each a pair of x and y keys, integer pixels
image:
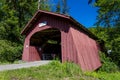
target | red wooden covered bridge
[{"x": 49, "y": 35}]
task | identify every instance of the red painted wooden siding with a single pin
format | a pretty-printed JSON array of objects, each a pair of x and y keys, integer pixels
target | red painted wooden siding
[
  {"x": 69, "y": 52},
  {"x": 87, "y": 50},
  {"x": 76, "y": 46},
  {"x": 52, "y": 22},
  {"x": 34, "y": 54},
  {"x": 25, "y": 55}
]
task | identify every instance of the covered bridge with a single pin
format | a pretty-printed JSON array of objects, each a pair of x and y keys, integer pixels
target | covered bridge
[{"x": 50, "y": 35}]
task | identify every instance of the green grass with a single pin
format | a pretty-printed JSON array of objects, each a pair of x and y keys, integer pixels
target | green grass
[
  {"x": 4, "y": 63},
  {"x": 104, "y": 75},
  {"x": 56, "y": 71},
  {"x": 15, "y": 62}
]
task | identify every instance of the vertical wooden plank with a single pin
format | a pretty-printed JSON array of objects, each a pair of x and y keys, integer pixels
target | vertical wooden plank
[
  {"x": 79, "y": 54},
  {"x": 86, "y": 51},
  {"x": 34, "y": 54},
  {"x": 25, "y": 55}
]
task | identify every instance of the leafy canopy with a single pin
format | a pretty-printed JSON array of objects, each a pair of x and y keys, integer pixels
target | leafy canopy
[{"x": 108, "y": 12}]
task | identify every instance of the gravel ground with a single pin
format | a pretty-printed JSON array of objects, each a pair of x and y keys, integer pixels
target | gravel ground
[{"x": 23, "y": 65}]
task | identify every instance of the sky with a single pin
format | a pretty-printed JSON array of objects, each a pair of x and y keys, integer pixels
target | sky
[{"x": 82, "y": 12}]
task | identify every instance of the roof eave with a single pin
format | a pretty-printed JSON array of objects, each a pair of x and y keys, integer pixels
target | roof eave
[
  {"x": 28, "y": 24},
  {"x": 56, "y": 14},
  {"x": 82, "y": 27},
  {"x": 23, "y": 32}
]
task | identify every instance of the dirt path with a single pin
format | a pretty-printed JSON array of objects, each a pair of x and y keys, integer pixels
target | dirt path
[{"x": 22, "y": 65}]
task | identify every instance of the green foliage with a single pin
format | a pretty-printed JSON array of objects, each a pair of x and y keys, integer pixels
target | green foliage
[
  {"x": 62, "y": 7},
  {"x": 107, "y": 64},
  {"x": 108, "y": 12},
  {"x": 19, "y": 9},
  {"x": 68, "y": 69},
  {"x": 111, "y": 37},
  {"x": 65, "y": 7},
  {"x": 114, "y": 38},
  {"x": 58, "y": 7},
  {"x": 53, "y": 71},
  {"x": 57, "y": 71},
  {"x": 45, "y": 5},
  {"x": 14, "y": 14},
  {"x": 109, "y": 17},
  {"x": 9, "y": 51},
  {"x": 104, "y": 75}
]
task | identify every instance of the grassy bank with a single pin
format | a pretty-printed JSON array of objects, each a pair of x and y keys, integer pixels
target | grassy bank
[
  {"x": 56, "y": 71},
  {"x": 15, "y": 62}
]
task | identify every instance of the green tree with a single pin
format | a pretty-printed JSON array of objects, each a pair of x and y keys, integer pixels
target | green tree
[
  {"x": 58, "y": 7},
  {"x": 109, "y": 18},
  {"x": 44, "y": 5},
  {"x": 23, "y": 9},
  {"x": 111, "y": 39},
  {"x": 9, "y": 51},
  {"x": 14, "y": 14},
  {"x": 108, "y": 12},
  {"x": 62, "y": 7},
  {"x": 65, "y": 7}
]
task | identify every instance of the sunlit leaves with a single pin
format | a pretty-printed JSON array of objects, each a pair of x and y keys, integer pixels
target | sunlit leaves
[
  {"x": 108, "y": 12},
  {"x": 111, "y": 37}
]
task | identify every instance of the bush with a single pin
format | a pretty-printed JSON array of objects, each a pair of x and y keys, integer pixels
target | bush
[
  {"x": 9, "y": 52},
  {"x": 107, "y": 64},
  {"x": 68, "y": 69}
]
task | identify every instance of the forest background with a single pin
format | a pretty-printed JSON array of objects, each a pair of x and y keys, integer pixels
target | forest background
[{"x": 14, "y": 14}]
